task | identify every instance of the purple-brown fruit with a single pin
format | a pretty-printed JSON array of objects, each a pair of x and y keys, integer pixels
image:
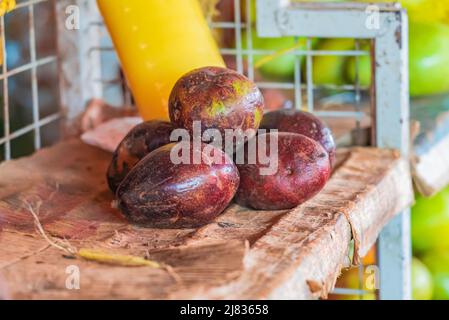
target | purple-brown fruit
[
  {"x": 159, "y": 193},
  {"x": 301, "y": 122},
  {"x": 303, "y": 169},
  {"x": 139, "y": 142},
  {"x": 218, "y": 97}
]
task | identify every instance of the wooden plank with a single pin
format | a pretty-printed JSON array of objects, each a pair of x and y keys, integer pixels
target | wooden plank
[
  {"x": 242, "y": 254},
  {"x": 430, "y": 164}
]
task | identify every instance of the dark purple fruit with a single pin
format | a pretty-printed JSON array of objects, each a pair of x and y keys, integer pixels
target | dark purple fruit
[
  {"x": 301, "y": 122},
  {"x": 159, "y": 193},
  {"x": 303, "y": 169},
  {"x": 218, "y": 97},
  {"x": 139, "y": 142}
]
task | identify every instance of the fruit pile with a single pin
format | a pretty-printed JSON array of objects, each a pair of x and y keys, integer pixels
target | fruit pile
[{"x": 184, "y": 173}]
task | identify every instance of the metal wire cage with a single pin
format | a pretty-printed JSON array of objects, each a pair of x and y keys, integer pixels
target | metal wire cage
[{"x": 45, "y": 86}]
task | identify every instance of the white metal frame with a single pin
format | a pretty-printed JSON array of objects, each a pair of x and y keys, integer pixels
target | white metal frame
[
  {"x": 79, "y": 63},
  {"x": 390, "y": 103}
]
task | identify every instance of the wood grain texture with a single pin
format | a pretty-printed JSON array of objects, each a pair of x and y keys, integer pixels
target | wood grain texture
[
  {"x": 243, "y": 254},
  {"x": 431, "y": 169},
  {"x": 430, "y": 162}
]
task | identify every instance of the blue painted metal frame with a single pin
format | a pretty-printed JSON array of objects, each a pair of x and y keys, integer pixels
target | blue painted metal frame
[{"x": 390, "y": 94}]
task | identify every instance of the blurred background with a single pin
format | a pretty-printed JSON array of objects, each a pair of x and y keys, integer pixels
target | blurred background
[
  {"x": 18, "y": 53},
  {"x": 333, "y": 77}
]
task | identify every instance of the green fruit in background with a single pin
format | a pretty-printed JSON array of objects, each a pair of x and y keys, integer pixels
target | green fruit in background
[
  {"x": 429, "y": 58},
  {"x": 428, "y": 61},
  {"x": 252, "y": 13},
  {"x": 422, "y": 285},
  {"x": 438, "y": 264},
  {"x": 426, "y": 10},
  {"x": 330, "y": 69},
  {"x": 423, "y": 10},
  {"x": 364, "y": 67},
  {"x": 430, "y": 222},
  {"x": 279, "y": 67}
]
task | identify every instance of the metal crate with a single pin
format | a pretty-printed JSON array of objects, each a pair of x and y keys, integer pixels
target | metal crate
[{"x": 88, "y": 68}]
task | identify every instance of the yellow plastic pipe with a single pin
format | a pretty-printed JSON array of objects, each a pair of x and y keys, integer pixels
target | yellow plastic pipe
[
  {"x": 158, "y": 41},
  {"x": 6, "y": 6}
]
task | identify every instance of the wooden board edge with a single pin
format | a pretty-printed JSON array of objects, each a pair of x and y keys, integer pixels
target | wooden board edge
[
  {"x": 311, "y": 280},
  {"x": 315, "y": 277},
  {"x": 382, "y": 202},
  {"x": 431, "y": 170}
]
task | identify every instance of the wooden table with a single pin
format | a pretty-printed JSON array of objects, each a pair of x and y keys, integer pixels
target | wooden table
[{"x": 242, "y": 254}]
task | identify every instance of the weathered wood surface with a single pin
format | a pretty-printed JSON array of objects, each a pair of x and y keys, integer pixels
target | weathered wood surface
[
  {"x": 243, "y": 254},
  {"x": 430, "y": 165}
]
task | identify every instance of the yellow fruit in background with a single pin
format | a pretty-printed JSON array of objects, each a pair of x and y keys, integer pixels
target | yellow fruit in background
[
  {"x": 422, "y": 285},
  {"x": 438, "y": 263},
  {"x": 427, "y": 10},
  {"x": 350, "y": 279}
]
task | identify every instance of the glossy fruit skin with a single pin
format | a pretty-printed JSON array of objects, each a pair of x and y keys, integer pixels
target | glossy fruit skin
[
  {"x": 159, "y": 193},
  {"x": 139, "y": 142},
  {"x": 218, "y": 97},
  {"x": 422, "y": 285},
  {"x": 438, "y": 263},
  {"x": 301, "y": 122},
  {"x": 303, "y": 170},
  {"x": 430, "y": 222}
]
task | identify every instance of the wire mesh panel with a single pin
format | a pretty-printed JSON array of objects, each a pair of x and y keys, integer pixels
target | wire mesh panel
[
  {"x": 29, "y": 79},
  {"x": 89, "y": 68},
  {"x": 301, "y": 92},
  {"x": 327, "y": 100}
]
